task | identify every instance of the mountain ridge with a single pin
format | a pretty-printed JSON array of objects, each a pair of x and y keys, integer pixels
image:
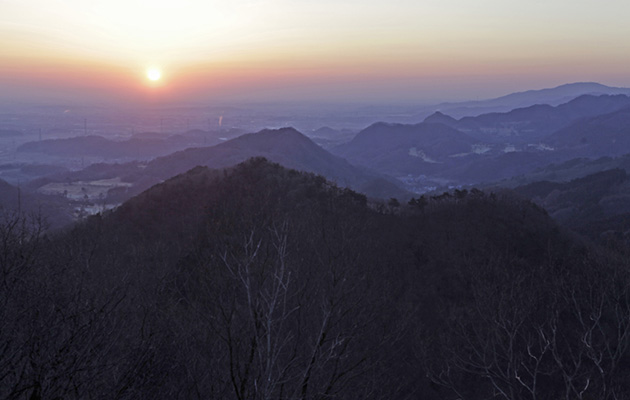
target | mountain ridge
[
  {"x": 286, "y": 146},
  {"x": 401, "y": 148},
  {"x": 552, "y": 96},
  {"x": 534, "y": 122}
]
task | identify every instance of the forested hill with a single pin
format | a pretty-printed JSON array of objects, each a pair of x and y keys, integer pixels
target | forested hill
[
  {"x": 595, "y": 205},
  {"x": 14, "y": 199},
  {"x": 260, "y": 282},
  {"x": 285, "y": 146}
]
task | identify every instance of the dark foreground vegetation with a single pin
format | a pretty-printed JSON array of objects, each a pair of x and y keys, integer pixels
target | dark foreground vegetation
[{"x": 260, "y": 282}]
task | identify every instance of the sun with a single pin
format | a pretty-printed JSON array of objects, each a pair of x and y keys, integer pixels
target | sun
[{"x": 154, "y": 74}]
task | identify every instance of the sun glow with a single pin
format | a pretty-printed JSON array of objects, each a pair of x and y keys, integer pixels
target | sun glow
[{"x": 154, "y": 74}]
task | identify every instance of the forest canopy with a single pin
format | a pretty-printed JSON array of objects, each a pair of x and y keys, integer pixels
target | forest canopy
[{"x": 260, "y": 282}]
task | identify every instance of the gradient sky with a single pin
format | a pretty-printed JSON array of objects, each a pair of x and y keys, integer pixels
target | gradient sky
[{"x": 370, "y": 51}]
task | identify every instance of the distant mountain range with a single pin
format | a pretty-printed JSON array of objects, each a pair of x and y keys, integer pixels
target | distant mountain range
[
  {"x": 285, "y": 146},
  {"x": 425, "y": 154},
  {"x": 533, "y": 123},
  {"x": 143, "y": 145},
  {"x": 406, "y": 149},
  {"x": 97, "y": 146},
  {"x": 602, "y": 135},
  {"x": 494, "y": 146},
  {"x": 551, "y": 96},
  {"x": 443, "y": 150}
]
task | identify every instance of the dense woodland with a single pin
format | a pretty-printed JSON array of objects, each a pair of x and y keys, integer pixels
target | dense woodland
[{"x": 259, "y": 282}]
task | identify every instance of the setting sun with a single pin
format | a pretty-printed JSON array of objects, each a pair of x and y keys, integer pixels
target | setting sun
[{"x": 154, "y": 74}]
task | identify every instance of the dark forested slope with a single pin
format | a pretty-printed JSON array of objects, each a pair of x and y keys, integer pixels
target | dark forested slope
[
  {"x": 260, "y": 282},
  {"x": 596, "y": 205},
  {"x": 53, "y": 209}
]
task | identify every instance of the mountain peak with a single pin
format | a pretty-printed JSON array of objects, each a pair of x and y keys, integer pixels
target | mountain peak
[
  {"x": 284, "y": 133},
  {"x": 287, "y": 130},
  {"x": 439, "y": 117},
  {"x": 285, "y": 146},
  {"x": 583, "y": 85},
  {"x": 272, "y": 138},
  {"x": 381, "y": 125}
]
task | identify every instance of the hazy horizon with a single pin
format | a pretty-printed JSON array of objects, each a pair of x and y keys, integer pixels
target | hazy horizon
[
  {"x": 282, "y": 50},
  {"x": 78, "y": 99}
]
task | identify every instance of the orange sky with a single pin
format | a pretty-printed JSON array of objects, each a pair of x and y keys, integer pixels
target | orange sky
[{"x": 296, "y": 50}]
